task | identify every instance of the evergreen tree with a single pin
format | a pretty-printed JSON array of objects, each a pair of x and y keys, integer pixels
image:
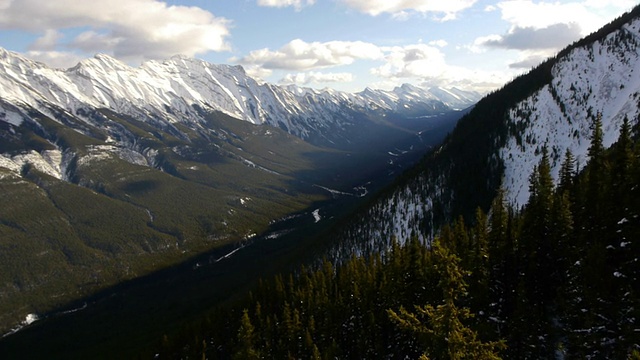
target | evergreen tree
[
  {"x": 596, "y": 179},
  {"x": 567, "y": 171},
  {"x": 503, "y": 264},
  {"x": 538, "y": 254},
  {"x": 246, "y": 339},
  {"x": 444, "y": 335},
  {"x": 622, "y": 172},
  {"x": 479, "y": 282},
  {"x": 537, "y": 228}
]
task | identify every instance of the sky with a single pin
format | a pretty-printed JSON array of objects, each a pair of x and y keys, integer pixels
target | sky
[{"x": 346, "y": 45}]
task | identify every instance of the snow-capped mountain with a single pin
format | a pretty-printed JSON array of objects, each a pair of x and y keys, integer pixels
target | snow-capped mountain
[
  {"x": 108, "y": 172},
  {"x": 407, "y": 97},
  {"x": 500, "y": 141},
  {"x": 175, "y": 91}
]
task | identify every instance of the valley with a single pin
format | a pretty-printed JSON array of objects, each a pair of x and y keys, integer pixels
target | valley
[
  {"x": 161, "y": 301},
  {"x": 182, "y": 209},
  {"x": 108, "y": 184}
]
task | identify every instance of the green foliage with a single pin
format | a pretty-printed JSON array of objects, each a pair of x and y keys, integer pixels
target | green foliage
[
  {"x": 344, "y": 311},
  {"x": 246, "y": 339},
  {"x": 444, "y": 335}
]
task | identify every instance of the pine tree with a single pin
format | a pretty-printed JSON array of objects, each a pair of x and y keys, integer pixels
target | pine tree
[
  {"x": 480, "y": 263},
  {"x": 444, "y": 335},
  {"x": 622, "y": 184},
  {"x": 246, "y": 339},
  {"x": 503, "y": 265},
  {"x": 621, "y": 259},
  {"x": 622, "y": 176},
  {"x": 480, "y": 240},
  {"x": 596, "y": 179},
  {"x": 537, "y": 227},
  {"x": 538, "y": 254},
  {"x": 567, "y": 171}
]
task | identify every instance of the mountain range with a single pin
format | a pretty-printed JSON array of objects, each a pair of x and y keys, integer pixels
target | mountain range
[
  {"x": 109, "y": 172},
  {"x": 180, "y": 89},
  {"x": 105, "y": 164}
]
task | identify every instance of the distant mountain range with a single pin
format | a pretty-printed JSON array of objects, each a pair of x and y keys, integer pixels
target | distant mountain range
[
  {"x": 182, "y": 91},
  {"x": 109, "y": 172},
  {"x": 178, "y": 90}
]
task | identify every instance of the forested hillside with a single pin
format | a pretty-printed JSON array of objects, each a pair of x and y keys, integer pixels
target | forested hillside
[{"x": 558, "y": 278}]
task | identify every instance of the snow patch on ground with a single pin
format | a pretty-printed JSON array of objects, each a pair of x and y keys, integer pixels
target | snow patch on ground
[
  {"x": 49, "y": 162},
  {"x": 333, "y": 191},
  {"x": 8, "y": 163},
  {"x": 96, "y": 154},
  {"x": 29, "y": 319},
  {"x": 11, "y": 117},
  {"x": 105, "y": 152}
]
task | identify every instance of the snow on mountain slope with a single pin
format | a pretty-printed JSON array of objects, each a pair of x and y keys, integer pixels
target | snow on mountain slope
[
  {"x": 501, "y": 140},
  {"x": 169, "y": 90},
  {"x": 600, "y": 78}
]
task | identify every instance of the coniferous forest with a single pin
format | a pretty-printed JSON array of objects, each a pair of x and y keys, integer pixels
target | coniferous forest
[{"x": 558, "y": 278}]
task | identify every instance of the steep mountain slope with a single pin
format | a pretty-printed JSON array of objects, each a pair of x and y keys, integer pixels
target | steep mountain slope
[
  {"x": 499, "y": 142},
  {"x": 599, "y": 78}
]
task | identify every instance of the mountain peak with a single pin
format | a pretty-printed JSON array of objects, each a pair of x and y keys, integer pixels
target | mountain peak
[
  {"x": 103, "y": 61},
  {"x": 408, "y": 87}
]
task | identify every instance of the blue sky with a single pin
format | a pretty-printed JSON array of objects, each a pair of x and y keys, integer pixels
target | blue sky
[{"x": 342, "y": 44}]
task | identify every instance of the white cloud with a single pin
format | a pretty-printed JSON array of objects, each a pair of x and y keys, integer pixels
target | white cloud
[
  {"x": 439, "y": 43},
  {"x": 538, "y": 15},
  {"x": 529, "y": 60},
  {"x": 257, "y": 72},
  {"x": 55, "y": 59},
  {"x": 552, "y": 37},
  {"x": 448, "y": 8},
  {"x": 425, "y": 62},
  {"x": 316, "y": 77},
  {"x": 297, "y": 4},
  {"x": 419, "y": 60},
  {"x": 300, "y": 55},
  {"x": 540, "y": 29},
  {"x": 428, "y": 64},
  {"x": 48, "y": 41},
  {"x": 128, "y": 29},
  {"x": 478, "y": 45},
  {"x": 620, "y": 4}
]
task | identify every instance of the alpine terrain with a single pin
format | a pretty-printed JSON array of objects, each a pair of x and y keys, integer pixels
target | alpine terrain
[
  {"x": 110, "y": 172},
  {"x": 515, "y": 236},
  {"x": 500, "y": 142}
]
